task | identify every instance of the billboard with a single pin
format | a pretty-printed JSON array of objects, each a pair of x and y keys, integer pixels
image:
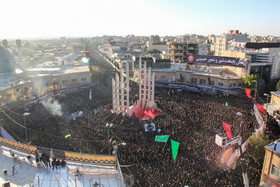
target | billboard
[{"x": 218, "y": 60}]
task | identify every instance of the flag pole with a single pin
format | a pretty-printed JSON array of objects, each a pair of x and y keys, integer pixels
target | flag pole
[{"x": 164, "y": 146}]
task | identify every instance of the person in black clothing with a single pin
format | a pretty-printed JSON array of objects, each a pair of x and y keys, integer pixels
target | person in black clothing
[
  {"x": 46, "y": 159},
  {"x": 58, "y": 163},
  {"x": 54, "y": 163},
  {"x": 63, "y": 163}
]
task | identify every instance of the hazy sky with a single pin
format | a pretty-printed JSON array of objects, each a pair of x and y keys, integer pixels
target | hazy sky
[{"x": 54, "y": 18}]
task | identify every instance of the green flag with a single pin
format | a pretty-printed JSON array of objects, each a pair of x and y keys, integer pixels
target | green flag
[
  {"x": 162, "y": 138},
  {"x": 67, "y": 135},
  {"x": 115, "y": 141},
  {"x": 174, "y": 147},
  {"x": 226, "y": 104}
]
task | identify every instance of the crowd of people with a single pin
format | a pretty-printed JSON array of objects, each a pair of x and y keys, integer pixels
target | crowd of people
[{"x": 190, "y": 118}]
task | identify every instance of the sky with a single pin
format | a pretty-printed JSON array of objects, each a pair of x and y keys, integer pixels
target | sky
[{"x": 89, "y": 18}]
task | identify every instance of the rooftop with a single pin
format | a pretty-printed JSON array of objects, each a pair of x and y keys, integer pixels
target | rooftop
[
  {"x": 272, "y": 146},
  {"x": 27, "y": 173},
  {"x": 276, "y": 93},
  {"x": 77, "y": 69}
]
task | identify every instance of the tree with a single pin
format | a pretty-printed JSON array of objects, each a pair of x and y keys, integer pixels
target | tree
[
  {"x": 278, "y": 86},
  {"x": 257, "y": 144},
  {"x": 248, "y": 80}
]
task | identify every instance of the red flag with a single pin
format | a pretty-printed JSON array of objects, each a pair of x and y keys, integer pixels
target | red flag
[
  {"x": 248, "y": 92},
  {"x": 227, "y": 129},
  {"x": 53, "y": 80},
  {"x": 261, "y": 108}
]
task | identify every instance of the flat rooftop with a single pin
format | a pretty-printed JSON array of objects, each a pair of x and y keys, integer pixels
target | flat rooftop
[{"x": 28, "y": 173}]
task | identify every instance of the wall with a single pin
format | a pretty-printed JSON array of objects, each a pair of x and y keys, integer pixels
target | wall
[
  {"x": 171, "y": 75},
  {"x": 239, "y": 71},
  {"x": 158, "y": 47},
  {"x": 234, "y": 54},
  {"x": 70, "y": 156},
  {"x": 270, "y": 159},
  {"x": 275, "y": 98}
]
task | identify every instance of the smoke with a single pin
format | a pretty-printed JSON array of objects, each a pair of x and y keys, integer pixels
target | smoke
[
  {"x": 39, "y": 85},
  {"x": 53, "y": 106},
  {"x": 76, "y": 114}
]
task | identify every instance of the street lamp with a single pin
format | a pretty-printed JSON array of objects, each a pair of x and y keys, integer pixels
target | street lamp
[
  {"x": 240, "y": 114},
  {"x": 256, "y": 88},
  {"x": 267, "y": 96},
  {"x": 109, "y": 147},
  {"x": 24, "y": 115},
  {"x": 115, "y": 151}
]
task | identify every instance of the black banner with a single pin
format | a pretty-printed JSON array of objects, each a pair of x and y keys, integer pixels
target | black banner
[{"x": 218, "y": 60}]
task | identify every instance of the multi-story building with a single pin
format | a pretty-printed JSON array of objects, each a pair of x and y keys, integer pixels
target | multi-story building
[
  {"x": 215, "y": 73},
  {"x": 271, "y": 165},
  {"x": 154, "y": 39},
  {"x": 221, "y": 43},
  {"x": 263, "y": 59},
  {"x": 178, "y": 51},
  {"x": 14, "y": 84}
]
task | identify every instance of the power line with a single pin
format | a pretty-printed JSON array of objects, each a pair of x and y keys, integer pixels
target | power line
[{"x": 13, "y": 119}]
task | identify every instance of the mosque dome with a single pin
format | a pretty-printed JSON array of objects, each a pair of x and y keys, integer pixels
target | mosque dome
[{"x": 7, "y": 61}]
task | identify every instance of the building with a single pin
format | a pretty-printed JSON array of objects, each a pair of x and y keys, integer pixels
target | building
[
  {"x": 161, "y": 46},
  {"x": 271, "y": 165},
  {"x": 154, "y": 39},
  {"x": 178, "y": 51},
  {"x": 219, "y": 73},
  {"x": 222, "y": 42},
  {"x": 263, "y": 59},
  {"x": 17, "y": 84},
  {"x": 273, "y": 107},
  {"x": 7, "y": 74}
]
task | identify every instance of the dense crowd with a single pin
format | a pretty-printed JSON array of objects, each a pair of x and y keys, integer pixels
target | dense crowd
[{"x": 189, "y": 118}]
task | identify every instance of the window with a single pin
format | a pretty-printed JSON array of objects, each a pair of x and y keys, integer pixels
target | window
[
  {"x": 83, "y": 79},
  {"x": 74, "y": 80},
  {"x": 240, "y": 84},
  {"x": 65, "y": 81},
  {"x": 220, "y": 84},
  {"x": 202, "y": 82},
  {"x": 275, "y": 171},
  {"x": 234, "y": 85},
  {"x": 211, "y": 83},
  {"x": 194, "y": 80},
  {"x": 184, "y": 77},
  {"x": 163, "y": 78},
  {"x": 230, "y": 85},
  {"x": 275, "y": 104}
]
